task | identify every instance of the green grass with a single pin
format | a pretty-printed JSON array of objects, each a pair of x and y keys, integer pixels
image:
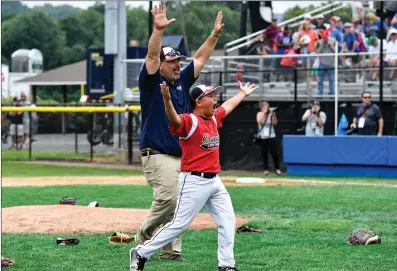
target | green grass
[
  {"x": 304, "y": 228},
  {"x": 14, "y": 169},
  {"x": 23, "y": 155}
]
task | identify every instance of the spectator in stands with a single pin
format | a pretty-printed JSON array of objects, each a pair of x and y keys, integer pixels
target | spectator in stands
[
  {"x": 335, "y": 33},
  {"x": 393, "y": 22},
  {"x": 391, "y": 51},
  {"x": 26, "y": 120},
  {"x": 326, "y": 63},
  {"x": 288, "y": 63},
  {"x": 271, "y": 32},
  {"x": 373, "y": 25},
  {"x": 315, "y": 120},
  {"x": 16, "y": 127},
  {"x": 374, "y": 60},
  {"x": 339, "y": 24},
  {"x": 308, "y": 18},
  {"x": 357, "y": 10},
  {"x": 307, "y": 38},
  {"x": 351, "y": 45},
  {"x": 357, "y": 27},
  {"x": 368, "y": 118},
  {"x": 267, "y": 120},
  {"x": 319, "y": 23},
  {"x": 282, "y": 42}
]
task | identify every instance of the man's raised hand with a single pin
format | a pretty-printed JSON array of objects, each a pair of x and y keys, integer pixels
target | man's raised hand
[
  {"x": 160, "y": 17},
  {"x": 218, "y": 26}
]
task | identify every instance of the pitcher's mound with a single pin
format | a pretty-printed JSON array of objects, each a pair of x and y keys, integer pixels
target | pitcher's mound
[{"x": 73, "y": 219}]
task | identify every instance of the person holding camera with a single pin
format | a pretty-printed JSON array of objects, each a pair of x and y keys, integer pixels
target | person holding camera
[
  {"x": 267, "y": 119},
  {"x": 368, "y": 118},
  {"x": 315, "y": 120}
]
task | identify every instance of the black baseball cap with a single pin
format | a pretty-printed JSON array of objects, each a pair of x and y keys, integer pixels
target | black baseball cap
[
  {"x": 169, "y": 54},
  {"x": 201, "y": 90}
]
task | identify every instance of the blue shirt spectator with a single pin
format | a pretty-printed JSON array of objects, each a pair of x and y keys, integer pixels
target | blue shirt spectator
[
  {"x": 394, "y": 21},
  {"x": 375, "y": 28},
  {"x": 285, "y": 40}
]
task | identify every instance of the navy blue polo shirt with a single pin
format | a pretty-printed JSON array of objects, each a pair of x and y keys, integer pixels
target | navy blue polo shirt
[{"x": 154, "y": 130}]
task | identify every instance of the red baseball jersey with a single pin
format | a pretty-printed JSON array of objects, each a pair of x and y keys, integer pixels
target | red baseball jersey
[{"x": 199, "y": 139}]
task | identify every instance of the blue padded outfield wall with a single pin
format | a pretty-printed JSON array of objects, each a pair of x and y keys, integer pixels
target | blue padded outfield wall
[{"x": 370, "y": 156}]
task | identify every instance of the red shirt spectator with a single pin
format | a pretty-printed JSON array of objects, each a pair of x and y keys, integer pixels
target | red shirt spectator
[{"x": 271, "y": 32}]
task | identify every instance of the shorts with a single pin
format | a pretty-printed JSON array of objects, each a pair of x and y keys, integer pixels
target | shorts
[
  {"x": 26, "y": 127},
  {"x": 18, "y": 131}
]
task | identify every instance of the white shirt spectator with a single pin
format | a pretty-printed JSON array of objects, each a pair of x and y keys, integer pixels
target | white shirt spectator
[
  {"x": 376, "y": 49},
  {"x": 356, "y": 6},
  {"x": 391, "y": 50},
  {"x": 268, "y": 130},
  {"x": 312, "y": 128}
]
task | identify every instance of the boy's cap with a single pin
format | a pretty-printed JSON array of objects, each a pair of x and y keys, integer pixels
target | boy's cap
[
  {"x": 169, "y": 54},
  {"x": 201, "y": 90}
]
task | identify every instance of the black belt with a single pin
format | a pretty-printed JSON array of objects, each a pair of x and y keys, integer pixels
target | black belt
[
  {"x": 150, "y": 152},
  {"x": 204, "y": 175}
]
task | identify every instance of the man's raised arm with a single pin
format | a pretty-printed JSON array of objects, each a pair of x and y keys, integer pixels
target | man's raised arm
[
  {"x": 206, "y": 49},
  {"x": 154, "y": 47}
]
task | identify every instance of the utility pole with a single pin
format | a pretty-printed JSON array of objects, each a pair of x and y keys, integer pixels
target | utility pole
[{"x": 116, "y": 45}]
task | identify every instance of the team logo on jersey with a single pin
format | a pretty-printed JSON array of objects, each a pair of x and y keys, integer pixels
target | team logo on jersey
[
  {"x": 179, "y": 88},
  {"x": 210, "y": 142}
]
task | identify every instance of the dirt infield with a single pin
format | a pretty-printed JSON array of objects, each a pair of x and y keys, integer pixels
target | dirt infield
[{"x": 68, "y": 219}]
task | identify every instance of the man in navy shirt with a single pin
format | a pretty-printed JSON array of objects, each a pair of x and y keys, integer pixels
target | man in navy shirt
[{"x": 160, "y": 150}]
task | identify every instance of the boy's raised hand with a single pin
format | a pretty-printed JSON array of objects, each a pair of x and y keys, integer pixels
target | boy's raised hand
[
  {"x": 165, "y": 91},
  {"x": 247, "y": 88}
]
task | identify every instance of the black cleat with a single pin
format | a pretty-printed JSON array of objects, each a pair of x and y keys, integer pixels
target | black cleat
[{"x": 137, "y": 262}]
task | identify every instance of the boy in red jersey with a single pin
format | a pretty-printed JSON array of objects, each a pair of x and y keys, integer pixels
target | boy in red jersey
[{"x": 199, "y": 183}]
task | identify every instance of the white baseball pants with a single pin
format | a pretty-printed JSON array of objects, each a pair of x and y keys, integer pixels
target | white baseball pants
[{"x": 194, "y": 193}]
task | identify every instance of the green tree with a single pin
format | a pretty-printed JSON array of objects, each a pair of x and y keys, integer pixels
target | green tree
[
  {"x": 57, "y": 11},
  {"x": 8, "y": 7},
  {"x": 85, "y": 28},
  {"x": 137, "y": 25},
  {"x": 34, "y": 30}
]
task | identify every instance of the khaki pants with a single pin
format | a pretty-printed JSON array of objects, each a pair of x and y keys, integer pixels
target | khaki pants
[{"x": 161, "y": 172}]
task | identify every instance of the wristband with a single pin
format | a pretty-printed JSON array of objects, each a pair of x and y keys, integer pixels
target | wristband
[
  {"x": 213, "y": 34},
  {"x": 158, "y": 28}
]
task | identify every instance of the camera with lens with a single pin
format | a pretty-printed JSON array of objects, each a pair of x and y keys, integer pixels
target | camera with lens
[{"x": 273, "y": 109}]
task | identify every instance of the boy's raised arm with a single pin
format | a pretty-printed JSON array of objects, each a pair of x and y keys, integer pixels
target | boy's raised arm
[{"x": 169, "y": 108}]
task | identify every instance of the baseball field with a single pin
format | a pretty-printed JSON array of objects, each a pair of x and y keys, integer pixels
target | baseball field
[{"x": 304, "y": 221}]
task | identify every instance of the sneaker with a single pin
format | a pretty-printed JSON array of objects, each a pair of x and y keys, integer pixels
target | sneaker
[
  {"x": 266, "y": 172},
  {"x": 137, "y": 262},
  {"x": 278, "y": 172},
  {"x": 227, "y": 268}
]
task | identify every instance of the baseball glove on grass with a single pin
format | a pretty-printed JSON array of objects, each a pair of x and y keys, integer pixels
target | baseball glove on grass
[
  {"x": 363, "y": 237},
  {"x": 7, "y": 262},
  {"x": 120, "y": 238},
  {"x": 67, "y": 201},
  {"x": 248, "y": 229}
]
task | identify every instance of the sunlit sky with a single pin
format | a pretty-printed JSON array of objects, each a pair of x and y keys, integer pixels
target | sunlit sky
[{"x": 278, "y": 6}]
